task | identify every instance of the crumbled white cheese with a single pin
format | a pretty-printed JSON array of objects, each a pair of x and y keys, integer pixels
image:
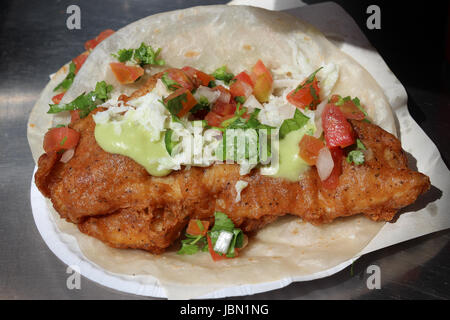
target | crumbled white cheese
[
  {"x": 276, "y": 111},
  {"x": 327, "y": 77},
  {"x": 151, "y": 114},
  {"x": 112, "y": 112}
]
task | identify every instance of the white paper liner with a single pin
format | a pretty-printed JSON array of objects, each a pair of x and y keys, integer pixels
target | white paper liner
[{"x": 432, "y": 217}]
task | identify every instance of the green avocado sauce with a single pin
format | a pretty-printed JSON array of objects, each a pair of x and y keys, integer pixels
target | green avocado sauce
[
  {"x": 133, "y": 140},
  {"x": 291, "y": 165}
]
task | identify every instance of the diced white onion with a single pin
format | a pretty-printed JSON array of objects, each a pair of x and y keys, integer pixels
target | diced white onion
[
  {"x": 318, "y": 118},
  {"x": 208, "y": 93},
  {"x": 161, "y": 89},
  {"x": 252, "y": 103},
  {"x": 67, "y": 155},
  {"x": 324, "y": 163},
  {"x": 223, "y": 242}
]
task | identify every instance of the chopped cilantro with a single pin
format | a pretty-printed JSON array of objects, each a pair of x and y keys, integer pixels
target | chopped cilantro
[
  {"x": 193, "y": 244},
  {"x": 240, "y": 99},
  {"x": 146, "y": 55},
  {"x": 223, "y": 223},
  {"x": 297, "y": 122},
  {"x": 68, "y": 80},
  {"x": 123, "y": 55},
  {"x": 358, "y": 105},
  {"x": 360, "y": 145},
  {"x": 222, "y": 74},
  {"x": 357, "y": 156},
  {"x": 143, "y": 55},
  {"x": 175, "y": 105},
  {"x": 341, "y": 100},
  {"x": 85, "y": 102},
  {"x": 169, "y": 83}
]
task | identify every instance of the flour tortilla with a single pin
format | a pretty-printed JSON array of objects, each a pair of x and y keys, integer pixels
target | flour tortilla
[{"x": 207, "y": 38}]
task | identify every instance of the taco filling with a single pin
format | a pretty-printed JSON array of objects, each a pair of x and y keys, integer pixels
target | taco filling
[{"x": 209, "y": 157}]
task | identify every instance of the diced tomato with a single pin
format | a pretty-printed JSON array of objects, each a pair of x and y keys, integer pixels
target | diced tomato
[
  {"x": 309, "y": 148},
  {"x": 224, "y": 109},
  {"x": 187, "y": 104},
  {"x": 245, "y": 77},
  {"x": 306, "y": 96},
  {"x": 260, "y": 69},
  {"x": 62, "y": 138},
  {"x": 214, "y": 120},
  {"x": 333, "y": 180},
  {"x": 104, "y": 34},
  {"x": 348, "y": 108},
  {"x": 220, "y": 112},
  {"x": 180, "y": 77},
  {"x": 199, "y": 78},
  {"x": 74, "y": 115},
  {"x": 240, "y": 88},
  {"x": 262, "y": 82},
  {"x": 126, "y": 74},
  {"x": 79, "y": 61},
  {"x": 334, "y": 98},
  {"x": 337, "y": 130},
  {"x": 194, "y": 227},
  {"x": 262, "y": 88},
  {"x": 225, "y": 94},
  {"x": 57, "y": 99},
  {"x": 242, "y": 85},
  {"x": 216, "y": 256},
  {"x": 91, "y": 44}
]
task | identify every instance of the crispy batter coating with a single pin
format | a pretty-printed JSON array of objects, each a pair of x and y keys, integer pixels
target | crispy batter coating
[{"x": 114, "y": 199}]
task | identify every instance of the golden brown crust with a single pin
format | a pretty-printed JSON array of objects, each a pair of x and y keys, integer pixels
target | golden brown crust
[{"x": 114, "y": 199}]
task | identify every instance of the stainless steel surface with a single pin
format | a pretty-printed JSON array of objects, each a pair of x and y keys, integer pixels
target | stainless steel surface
[{"x": 34, "y": 42}]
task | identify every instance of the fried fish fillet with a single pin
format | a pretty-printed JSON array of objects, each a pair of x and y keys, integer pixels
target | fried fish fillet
[{"x": 114, "y": 199}]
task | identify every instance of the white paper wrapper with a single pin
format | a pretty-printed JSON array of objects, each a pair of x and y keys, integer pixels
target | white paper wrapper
[{"x": 428, "y": 215}]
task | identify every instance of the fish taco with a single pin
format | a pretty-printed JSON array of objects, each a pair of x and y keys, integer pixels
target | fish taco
[{"x": 218, "y": 146}]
